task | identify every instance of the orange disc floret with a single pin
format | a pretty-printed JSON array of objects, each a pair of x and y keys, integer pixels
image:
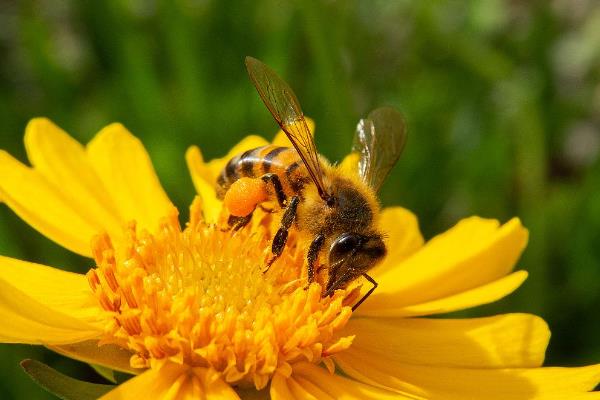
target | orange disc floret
[{"x": 243, "y": 196}]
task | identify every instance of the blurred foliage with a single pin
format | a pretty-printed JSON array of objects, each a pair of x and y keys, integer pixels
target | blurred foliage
[{"x": 502, "y": 100}]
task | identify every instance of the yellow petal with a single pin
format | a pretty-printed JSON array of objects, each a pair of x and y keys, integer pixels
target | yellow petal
[
  {"x": 45, "y": 305},
  {"x": 125, "y": 169},
  {"x": 152, "y": 384},
  {"x": 173, "y": 381},
  {"x": 311, "y": 382},
  {"x": 283, "y": 388},
  {"x": 64, "y": 163},
  {"x": 45, "y": 207},
  {"x": 204, "y": 184},
  {"x": 281, "y": 139},
  {"x": 63, "y": 291},
  {"x": 350, "y": 163},
  {"x": 197, "y": 166},
  {"x": 485, "y": 294},
  {"x": 52, "y": 328},
  {"x": 512, "y": 340},
  {"x": 473, "y": 253},
  {"x": 403, "y": 237},
  {"x": 489, "y": 384},
  {"x": 107, "y": 355},
  {"x": 249, "y": 142}
]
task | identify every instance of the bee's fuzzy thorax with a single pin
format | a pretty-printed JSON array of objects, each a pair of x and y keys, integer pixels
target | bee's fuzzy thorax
[{"x": 355, "y": 209}]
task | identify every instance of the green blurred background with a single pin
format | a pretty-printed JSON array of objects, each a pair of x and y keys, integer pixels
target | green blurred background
[{"x": 502, "y": 100}]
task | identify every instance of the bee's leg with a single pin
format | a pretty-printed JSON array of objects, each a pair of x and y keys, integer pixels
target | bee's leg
[
  {"x": 282, "y": 234},
  {"x": 273, "y": 179},
  {"x": 313, "y": 253},
  {"x": 237, "y": 223},
  {"x": 354, "y": 307}
]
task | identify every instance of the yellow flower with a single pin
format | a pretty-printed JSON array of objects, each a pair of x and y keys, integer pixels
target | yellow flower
[{"x": 188, "y": 311}]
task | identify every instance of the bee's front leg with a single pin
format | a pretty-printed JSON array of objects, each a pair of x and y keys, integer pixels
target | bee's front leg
[
  {"x": 281, "y": 236},
  {"x": 313, "y": 253},
  {"x": 375, "y": 284}
]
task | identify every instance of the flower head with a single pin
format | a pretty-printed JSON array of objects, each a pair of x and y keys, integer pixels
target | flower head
[{"x": 188, "y": 310}]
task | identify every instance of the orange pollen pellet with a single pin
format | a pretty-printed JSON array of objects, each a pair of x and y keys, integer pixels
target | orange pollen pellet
[{"x": 243, "y": 196}]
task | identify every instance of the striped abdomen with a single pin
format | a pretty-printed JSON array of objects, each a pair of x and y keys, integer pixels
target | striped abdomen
[{"x": 282, "y": 161}]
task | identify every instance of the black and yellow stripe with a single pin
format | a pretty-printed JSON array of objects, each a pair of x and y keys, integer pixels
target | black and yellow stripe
[{"x": 254, "y": 163}]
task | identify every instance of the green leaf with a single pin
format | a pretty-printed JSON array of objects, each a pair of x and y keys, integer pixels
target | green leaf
[
  {"x": 104, "y": 372},
  {"x": 62, "y": 386},
  {"x": 111, "y": 375}
]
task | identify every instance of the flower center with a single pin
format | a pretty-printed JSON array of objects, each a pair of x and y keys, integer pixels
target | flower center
[{"x": 198, "y": 296}]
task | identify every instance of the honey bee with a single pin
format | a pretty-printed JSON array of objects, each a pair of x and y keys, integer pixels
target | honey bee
[{"x": 335, "y": 209}]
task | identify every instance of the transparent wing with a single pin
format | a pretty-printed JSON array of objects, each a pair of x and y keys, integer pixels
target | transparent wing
[
  {"x": 283, "y": 104},
  {"x": 379, "y": 140}
]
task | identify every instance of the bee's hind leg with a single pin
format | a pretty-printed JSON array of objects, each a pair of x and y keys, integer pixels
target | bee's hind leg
[
  {"x": 281, "y": 236},
  {"x": 273, "y": 179}
]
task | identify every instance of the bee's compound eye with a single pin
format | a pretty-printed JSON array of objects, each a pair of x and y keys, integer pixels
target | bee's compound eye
[
  {"x": 345, "y": 243},
  {"x": 331, "y": 201}
]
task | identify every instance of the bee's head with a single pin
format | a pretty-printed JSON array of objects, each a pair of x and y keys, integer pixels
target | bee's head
[{"x": 352, "y": 254}]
